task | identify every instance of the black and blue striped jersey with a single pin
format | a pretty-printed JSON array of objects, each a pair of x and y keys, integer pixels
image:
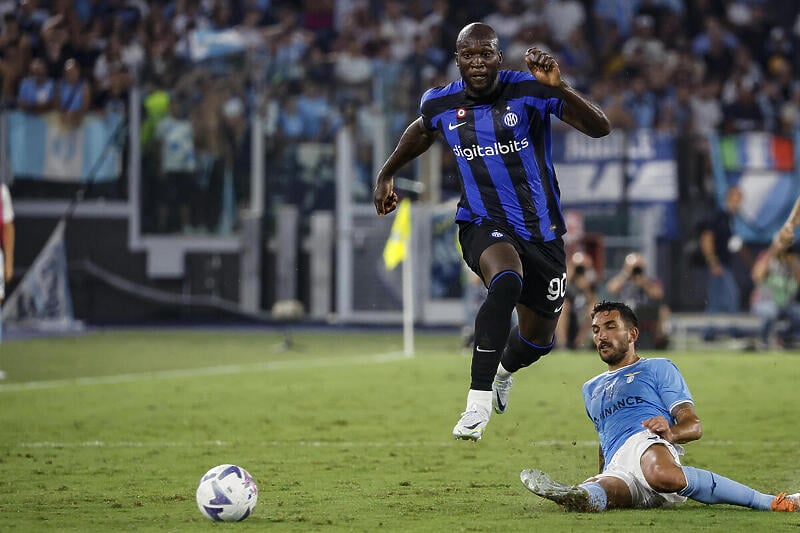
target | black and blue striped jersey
[{"x": 502, "y": 144}]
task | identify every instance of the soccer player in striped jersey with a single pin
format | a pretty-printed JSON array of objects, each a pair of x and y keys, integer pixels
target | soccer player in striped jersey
[
  {"x": 643, "y": 411},
  {"x": 497, "y": 123}
]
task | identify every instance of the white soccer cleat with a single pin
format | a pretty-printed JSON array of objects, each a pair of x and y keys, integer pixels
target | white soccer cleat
[
  {"x": 570, "y": 497},
  {"x": 472, "y": 424},
  {"x": 500, "y": 389}
]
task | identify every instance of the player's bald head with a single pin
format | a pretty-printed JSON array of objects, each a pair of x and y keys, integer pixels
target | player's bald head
[{"x": 477, "y": 32}]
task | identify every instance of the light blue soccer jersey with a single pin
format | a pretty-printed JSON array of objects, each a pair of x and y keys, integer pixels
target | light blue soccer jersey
[{"x": 618, "y": 401}]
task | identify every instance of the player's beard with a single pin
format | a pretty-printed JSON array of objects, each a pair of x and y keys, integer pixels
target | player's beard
[{"x": 613, "y": 352}]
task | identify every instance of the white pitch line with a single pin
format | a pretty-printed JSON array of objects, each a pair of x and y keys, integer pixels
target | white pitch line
[
  {"x": 274, "y": 444},
  {"x": 204, "y": 371},
  {"x": 349, "y": 444}
]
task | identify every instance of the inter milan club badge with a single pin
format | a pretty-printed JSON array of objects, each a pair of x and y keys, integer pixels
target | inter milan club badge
[
  {"x": 510, "y": 119},
  {"x": 461, "y": 112}
]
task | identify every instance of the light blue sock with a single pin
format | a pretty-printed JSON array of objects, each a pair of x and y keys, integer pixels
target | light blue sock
[
  {"x": 708, "y": 487},
  {"x": 597, "y": 495}
]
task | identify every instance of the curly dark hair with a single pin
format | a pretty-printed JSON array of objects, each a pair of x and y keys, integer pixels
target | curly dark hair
[{"x": 626, "y": 313}]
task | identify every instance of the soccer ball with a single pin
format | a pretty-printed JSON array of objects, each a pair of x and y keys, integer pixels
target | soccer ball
[{"x": 227, "y": 493}]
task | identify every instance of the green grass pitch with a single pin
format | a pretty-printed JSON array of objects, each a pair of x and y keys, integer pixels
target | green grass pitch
[{"x": 110, "y": 431}]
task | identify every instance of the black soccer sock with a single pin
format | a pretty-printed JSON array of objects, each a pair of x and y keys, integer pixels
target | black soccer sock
[
  {"x": 492, "y": 325},
  {"x": 520, "y": 352}
]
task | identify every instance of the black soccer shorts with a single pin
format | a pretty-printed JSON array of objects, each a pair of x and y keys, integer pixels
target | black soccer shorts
[{"x": 544, "y": 270}]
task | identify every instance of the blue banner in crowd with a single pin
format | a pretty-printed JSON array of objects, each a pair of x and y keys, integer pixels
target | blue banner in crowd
[
  {"x": 205, "y": 44},
  {"x": 764, "y": 167},
  {"x": 40, "y": 147},
  {"x": 593, "y": 171}
]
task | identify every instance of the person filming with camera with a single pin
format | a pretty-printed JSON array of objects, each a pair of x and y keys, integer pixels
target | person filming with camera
[{"x": 645, "y": 295}]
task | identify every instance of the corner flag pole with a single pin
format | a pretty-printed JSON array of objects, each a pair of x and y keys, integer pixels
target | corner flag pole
[
  {"x": 398, "y": 250},
  {"x": 408, "y": 298}
]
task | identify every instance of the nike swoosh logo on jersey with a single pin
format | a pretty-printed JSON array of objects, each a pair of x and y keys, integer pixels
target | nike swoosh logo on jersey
[
  {"x": 557, "y": 309},
  {"x": 452, "y": 127},
  {"x": 478, "y": 348}
]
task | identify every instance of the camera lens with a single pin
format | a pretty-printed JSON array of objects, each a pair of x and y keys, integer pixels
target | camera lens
[{"x": 637, "y": 271}]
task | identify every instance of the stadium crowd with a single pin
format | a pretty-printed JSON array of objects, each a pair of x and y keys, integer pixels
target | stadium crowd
[
  {"x": 675, "y": 65},
  {"x": 686, "y": 67}
]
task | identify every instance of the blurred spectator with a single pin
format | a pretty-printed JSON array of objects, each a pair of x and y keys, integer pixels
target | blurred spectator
[
  {"x": 132, "y": 52},
  {"x": 751, "y": 22},
  {"x": 779, "y": 45},
  {"x": 574, "y": 327},
  {"x": 645, "y": 295},
  {"x": 718, "y": 243},
  {"x": 398, "y": 29},
  {"x": 776, "y": 276},
  {"x": 782, "y": 74},
  {"x": 12, "y": 70},
  {"x": 162, "y": 68},
  {"x": 620, "y": 13},
  {"x": 318, "y": 65},
  {"x": 320, "y": 118},
  {"x": 675, "y": 112},
  {"x": 37, "y": 90},
  {"x": 73, "y": 94},
  {"x": 291, "y": 125},
  {"x": 251, "y": 26},
  {"x": 114, "y": 98},
  {"x": 389, "y": 77},
  {"x": 318, "y": 18},
  {"x": 706, "y": 108},
  {"x": 31, "y": 18},
  {"x": 110, "y": 58},
  {"x": 15, "y": 54},
  {"x": 715, "y": 45},
  {"x": 611, "y": 97},
  {"x": 352, "y": 70},
  {"x": 189, "y": 15},
  {"x": 420, "y": 65},
  {"x": 223, "y": 16},
  {"x": 54, "y": 47},
  {"x": 608, "y": 49},
  {"x": 507, "y": 20},
  {"x": 744, "y": 113},
  {"x": 290, "y": 43},
  {"x": 643, "y": 48},
  {"x": 12, "y": 34},
  {"x": 576, "y": 61},
  {"x": 177, "y": 185},
  {"x": 565, "y": 18},
  {"x": 788, "y": 116},
  {"x": 640, "y": 102},
  {"x": 439, "y": 23},
  {"x": 87, "y": 46},
  {"x": 745, "y": 71}
]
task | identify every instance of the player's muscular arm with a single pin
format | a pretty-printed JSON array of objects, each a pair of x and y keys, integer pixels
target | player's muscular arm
[
  {"x": 414, "y": 141},
  {"x": 685, "y": 429},
  {"x": 578, "y": 111},
  {"x": 582, "y": 114}
]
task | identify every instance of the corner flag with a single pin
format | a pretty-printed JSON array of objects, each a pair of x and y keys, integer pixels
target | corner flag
[{"x": 395, "y": 250}]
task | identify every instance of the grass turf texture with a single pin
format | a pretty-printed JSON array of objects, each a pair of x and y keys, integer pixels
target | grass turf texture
[{"x": 111, "y": 432}]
